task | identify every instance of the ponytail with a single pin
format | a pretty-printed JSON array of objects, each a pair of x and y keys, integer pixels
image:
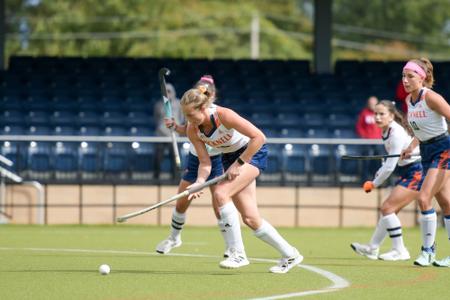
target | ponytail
[{"x": 203, "y": 94}]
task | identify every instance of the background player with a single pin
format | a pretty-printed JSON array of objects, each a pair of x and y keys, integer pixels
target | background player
[{"x": 397, "y": 136}]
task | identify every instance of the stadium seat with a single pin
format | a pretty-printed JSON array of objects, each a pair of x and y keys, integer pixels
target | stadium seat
[
  {"x": 295, "y": 164},
  {"x": 12, "y": 117},
  {"x": 341, "y": 120},
  {"x": 141, "y": 160},
  {"x": 66, "y": 161},
  {"x": 39, "y": 161},
  {"x": 344, "y": 133},
  {"x": 348, "y": 170},
  {"x": 322, "y": 165},
  {"x": 39, "y": 130},
  {"x": 89, "y": 118},
  {"x": 90, "y": 161},
  {"x": 64, "y": 118},
  {"x": 114, "y": 118},
  {"x": 292, "y": 132},
  {"x": 115, "y": 161},
  {"x": 313, "y": 120}
]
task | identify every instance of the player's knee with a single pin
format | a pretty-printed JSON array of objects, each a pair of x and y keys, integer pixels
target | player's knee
[
  {"x": 424, "y": 201},
  {"x": 221, "y": 197},
  {"x": 250, "y": 221},
  {"x": 386, "y": 209}
]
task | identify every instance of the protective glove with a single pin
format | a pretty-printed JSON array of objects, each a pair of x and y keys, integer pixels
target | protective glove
[{"x": 368, "y": 186}]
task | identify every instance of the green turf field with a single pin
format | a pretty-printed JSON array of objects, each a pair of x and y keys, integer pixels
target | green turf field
[{"x": 61, "y": 262}]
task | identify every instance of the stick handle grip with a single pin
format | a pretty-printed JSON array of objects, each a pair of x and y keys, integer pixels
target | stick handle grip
[{"x": 207, "y": 183}]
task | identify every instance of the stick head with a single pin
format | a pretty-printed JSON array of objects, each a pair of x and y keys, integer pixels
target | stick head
[
  {"x": 164, "y": 72},
  {"x": 121, "y": 219}
]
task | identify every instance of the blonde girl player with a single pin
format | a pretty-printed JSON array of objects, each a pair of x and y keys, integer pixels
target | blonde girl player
[
  {"x": 244, "y": 156},
  {"x": 427, "y": 111},
  {"x": 396, "y": 137},
  {"x": 189, "y": 177}
]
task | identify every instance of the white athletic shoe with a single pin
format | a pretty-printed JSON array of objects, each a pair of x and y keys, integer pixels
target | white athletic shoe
[
  {"x": 442, "y": 263},
  {"x": 167, "y": 245},
  {"x": 395, "y": 254},
  {"x": 287, "y": 263},
  {"x": 365, "y": 250},
  {"x": 425, "y": 259},
  {"x": 235, "y": 259}
]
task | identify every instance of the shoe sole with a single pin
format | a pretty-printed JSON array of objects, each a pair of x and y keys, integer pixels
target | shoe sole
[
  {"x": 420, "y": 265},
  {"x": 162, "y": 252},
  {"x": 229, "y": 267},
  {"x": 292, "y": 266},
  {"x": 397, "y": 259},
  {"x": 439, "y": 266},
  {"x": 362, "y": 254}
]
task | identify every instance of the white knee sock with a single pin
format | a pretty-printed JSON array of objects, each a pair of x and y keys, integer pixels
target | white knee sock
[
  {"x": 178, "y": 220},
  {"x": 231, "y": 227},
  {"x": 394, "y": 229},
  {"x": 447, "y": 225},
  {"x": 428, "y": 224},
  {"x": 378, "y": 235},
  {"x": 270, "y": 235}
]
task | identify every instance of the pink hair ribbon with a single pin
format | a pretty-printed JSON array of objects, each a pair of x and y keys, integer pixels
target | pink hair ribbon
[
  {"x": 412, "y": 66},
  {"x": 208, "y": 79}
]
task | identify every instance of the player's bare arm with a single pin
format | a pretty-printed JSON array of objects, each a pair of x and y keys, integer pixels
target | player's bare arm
[{"x": 437, "y": 103}]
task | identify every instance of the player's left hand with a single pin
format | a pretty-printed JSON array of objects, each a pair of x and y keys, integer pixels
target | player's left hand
[
  {"x": 368, "y": 186},
  {"x": 194, "y": 195},
  {"x": 170, "y": 123}
]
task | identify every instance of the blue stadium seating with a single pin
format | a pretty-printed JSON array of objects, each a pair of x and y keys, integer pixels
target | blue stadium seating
[{"x": 115, "y": 96}]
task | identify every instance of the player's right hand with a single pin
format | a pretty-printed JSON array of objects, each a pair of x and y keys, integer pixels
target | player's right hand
[
  {"x": 405, "y": 154},
  {"x": 368, "y": 186},
  {"x": 233, "y": 171},
  {"x": 170, "y": 123}
]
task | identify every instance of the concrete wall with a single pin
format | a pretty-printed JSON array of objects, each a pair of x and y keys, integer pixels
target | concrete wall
[{"x": 282, "y": 206}]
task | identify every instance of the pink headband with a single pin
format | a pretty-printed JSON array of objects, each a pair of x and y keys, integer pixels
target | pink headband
[
  {"x": 208, "y": 79},
  {"x": 412, "y": 66}
]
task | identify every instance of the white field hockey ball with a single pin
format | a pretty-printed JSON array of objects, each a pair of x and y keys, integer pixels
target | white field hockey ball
[{"x": 104, "y": 269}]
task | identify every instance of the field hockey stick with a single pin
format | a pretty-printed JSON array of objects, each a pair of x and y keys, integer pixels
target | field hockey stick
[
  {"x": 372, "y": 157},
  {"x": 168, "y": 113},
  {"x": 174, "y": 198}
]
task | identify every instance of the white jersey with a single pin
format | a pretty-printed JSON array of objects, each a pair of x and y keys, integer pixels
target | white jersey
[
  {"x": 211, "y": 151},
  {"x": 395, "y": 139},
  {"x": 221, "y": 138},
  {"x": 425, "y": 122}
]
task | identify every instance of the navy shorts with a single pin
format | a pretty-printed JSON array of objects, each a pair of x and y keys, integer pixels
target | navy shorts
[
  {"x": 191, "y": 170},
  {"x": 410, "y": 176},
  {"x": 259, "y": 160},
  {"x": 436, "y": 155}
]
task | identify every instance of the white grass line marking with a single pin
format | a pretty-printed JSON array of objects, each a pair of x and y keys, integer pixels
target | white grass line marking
[{"x": 338, "y": 282}]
